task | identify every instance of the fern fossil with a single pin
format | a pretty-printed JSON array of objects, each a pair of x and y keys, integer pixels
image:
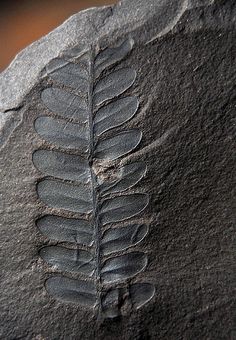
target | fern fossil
[{"x": 88, "y": 104}]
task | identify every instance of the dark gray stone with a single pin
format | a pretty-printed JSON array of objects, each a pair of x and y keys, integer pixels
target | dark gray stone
[{"x": 118, "y": 176}]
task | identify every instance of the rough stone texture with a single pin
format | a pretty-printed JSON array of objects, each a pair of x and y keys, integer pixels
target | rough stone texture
[{"x": 184, "y": 54}]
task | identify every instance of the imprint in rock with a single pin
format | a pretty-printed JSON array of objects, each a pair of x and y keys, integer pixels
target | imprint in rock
[{"x": 84, "y": 106}]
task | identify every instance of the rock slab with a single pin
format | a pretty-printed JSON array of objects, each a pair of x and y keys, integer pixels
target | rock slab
[{"x": 118, "y": 176}]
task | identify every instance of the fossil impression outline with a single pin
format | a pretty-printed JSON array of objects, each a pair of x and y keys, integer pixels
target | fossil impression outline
[{"x": 94, "y": 250}]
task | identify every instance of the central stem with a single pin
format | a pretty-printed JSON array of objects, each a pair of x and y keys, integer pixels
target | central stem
[{"x": 97, "y": 240}]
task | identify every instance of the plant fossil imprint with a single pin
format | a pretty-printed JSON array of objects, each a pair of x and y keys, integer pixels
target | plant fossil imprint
[{"x": 83, "y": 176}]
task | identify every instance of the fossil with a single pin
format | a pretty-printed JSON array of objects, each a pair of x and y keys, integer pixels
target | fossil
[{"x": 85, "y": 104}]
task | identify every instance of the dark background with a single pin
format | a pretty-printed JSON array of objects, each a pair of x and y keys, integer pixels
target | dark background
[{"x": 24, "y": 21}]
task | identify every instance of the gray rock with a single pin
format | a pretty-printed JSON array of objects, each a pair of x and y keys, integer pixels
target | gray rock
[{"x": 117, "y": 137}]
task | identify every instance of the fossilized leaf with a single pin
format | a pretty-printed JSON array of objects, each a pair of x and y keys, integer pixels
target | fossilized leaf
[
  {"x": 113, "y": 85},
  {"x": 123, "y": 267},
  {"x": 69, "y": 260},
  {"x": 62, "y": 133},
  {"x": 118, "y": 146},
  {"x": 141, "y": 293},
  {"x": 123, "y": 207},
  {"x": 115, "y": 114},
  {"x": 119, "y": 239},
  {"x": 110, "y": 56},
  {"x": 112, "y": 301},
  {"x": 62, "y": 165},
  {"x": 129, "y": 175},
  {"x": 66, "y": 229},
  {"x": 60, "y": 195},
  {"x": 73, "y": 291},
  {"x": 70, "y": 74},
  {"x": 91, "y": 110},
  {"x": 79, "y": 51},
  {"x": 136, "y": 295},
  {"x": 65, "y": 104}
]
